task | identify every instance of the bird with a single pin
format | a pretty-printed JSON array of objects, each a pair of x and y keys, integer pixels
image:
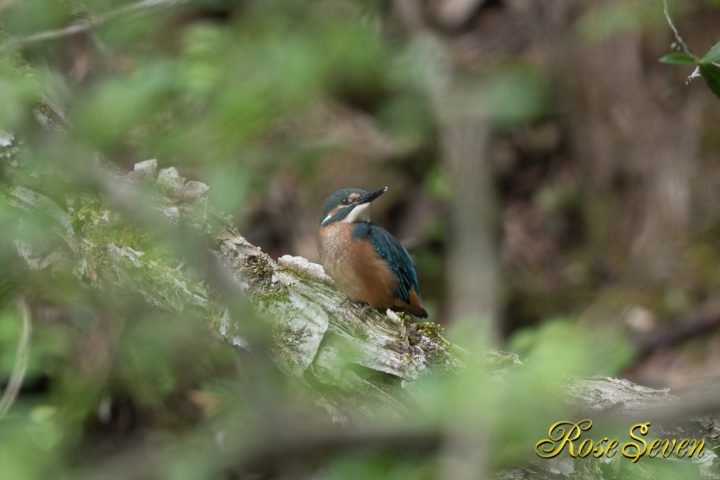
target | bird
[{"x": 366, "y": 262}]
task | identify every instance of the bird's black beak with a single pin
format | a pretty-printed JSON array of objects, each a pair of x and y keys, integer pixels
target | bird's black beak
[{"x": 369, "y": 197}]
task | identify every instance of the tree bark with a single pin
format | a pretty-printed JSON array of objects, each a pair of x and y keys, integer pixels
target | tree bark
[{"x": 372, "y": 357}]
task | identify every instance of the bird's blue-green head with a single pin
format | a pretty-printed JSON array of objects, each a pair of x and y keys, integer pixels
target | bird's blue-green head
[{"x": 349, "y": 205}]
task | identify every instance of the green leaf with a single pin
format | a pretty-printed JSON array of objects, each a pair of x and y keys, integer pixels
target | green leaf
[
  {"x": 677, "y": 58},
  {"x": 711, "y": 74},
  {"x": 713, "y": 55}
]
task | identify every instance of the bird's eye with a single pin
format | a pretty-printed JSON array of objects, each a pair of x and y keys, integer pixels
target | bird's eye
[{"x": 344, "y": 201}]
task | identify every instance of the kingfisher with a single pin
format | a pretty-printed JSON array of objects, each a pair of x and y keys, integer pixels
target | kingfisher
[{"x": 367, "y": 263}]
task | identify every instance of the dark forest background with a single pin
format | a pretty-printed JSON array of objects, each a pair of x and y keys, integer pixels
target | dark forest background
[{"x": 557, "y": 185}]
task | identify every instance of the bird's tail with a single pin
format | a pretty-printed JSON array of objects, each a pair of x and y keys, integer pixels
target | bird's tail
[{"x": 416, "y": 310}]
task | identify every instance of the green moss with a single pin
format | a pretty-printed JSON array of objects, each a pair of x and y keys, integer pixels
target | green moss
[
  {"x": 432, "y": 330},
  {"x": 93, "y": 221},
  {"x": 112, "y": 250},
  {"x": 437, "y": 349}
]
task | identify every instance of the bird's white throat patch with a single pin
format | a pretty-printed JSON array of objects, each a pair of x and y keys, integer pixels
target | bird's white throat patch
[{"x": 361, "y": 212}]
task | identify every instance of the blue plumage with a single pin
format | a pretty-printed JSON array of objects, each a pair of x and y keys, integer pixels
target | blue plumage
[{"x": 394, "y": 255}]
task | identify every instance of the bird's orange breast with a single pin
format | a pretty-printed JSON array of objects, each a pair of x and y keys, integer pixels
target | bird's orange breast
[{"x": 357, "y": 269}]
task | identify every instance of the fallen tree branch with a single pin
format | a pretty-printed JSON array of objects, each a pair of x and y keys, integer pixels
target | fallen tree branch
[
  {"x": 682, "y": 329},
  {"x": 315, "y": 331}
]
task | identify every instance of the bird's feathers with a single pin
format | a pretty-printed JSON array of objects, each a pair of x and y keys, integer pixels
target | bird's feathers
[{"x": 394, "y": 255}]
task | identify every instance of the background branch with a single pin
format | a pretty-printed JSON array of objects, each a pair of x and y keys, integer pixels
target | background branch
[
  {"x": 94, "y": 21},
  {"x": 676, "y": 32}
]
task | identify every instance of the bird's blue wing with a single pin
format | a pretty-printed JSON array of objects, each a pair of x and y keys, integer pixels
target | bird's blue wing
[{"x": 394, "y": 255}]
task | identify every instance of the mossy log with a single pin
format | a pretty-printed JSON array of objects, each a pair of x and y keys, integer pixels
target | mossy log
[
  {"x": 315, "y": 330},
  {"x": 373, "y": 356}
]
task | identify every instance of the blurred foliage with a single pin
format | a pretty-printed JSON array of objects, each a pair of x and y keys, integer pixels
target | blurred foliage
[
  {"x": 119, "y": 387},
  {"x": 611, "y": 18}
]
